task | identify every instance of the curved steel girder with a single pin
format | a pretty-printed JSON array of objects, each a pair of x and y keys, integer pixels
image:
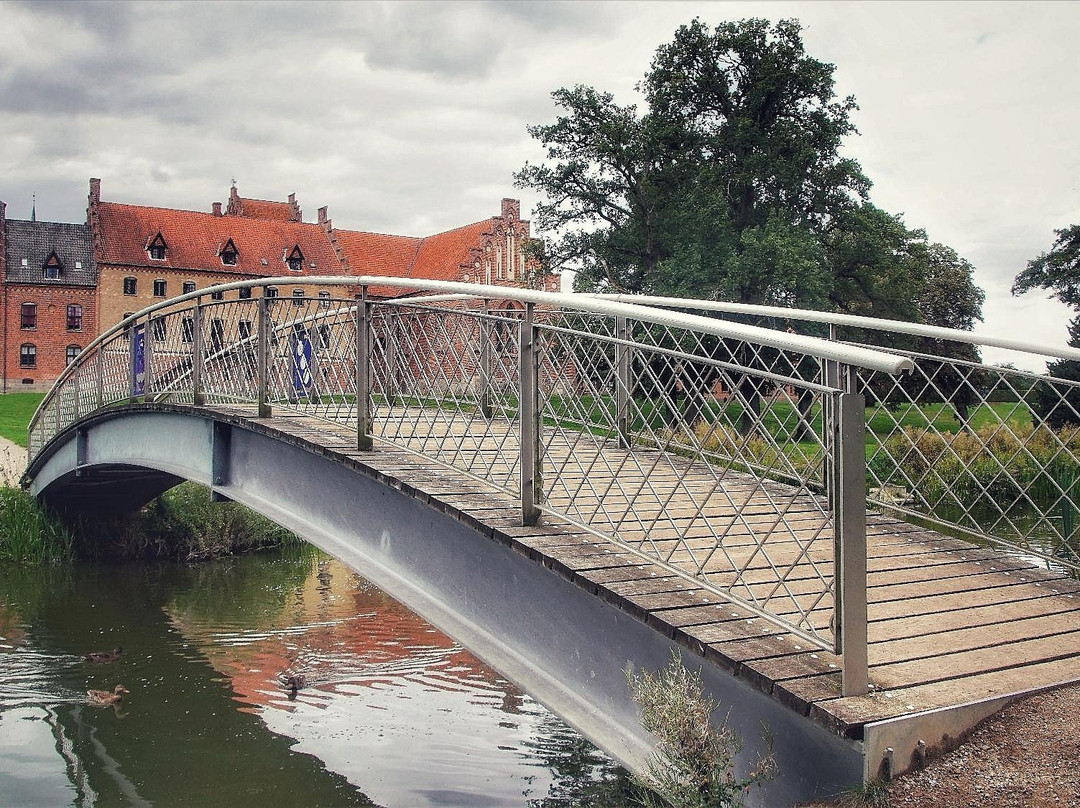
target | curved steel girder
[{"x": 552, "y": 637}]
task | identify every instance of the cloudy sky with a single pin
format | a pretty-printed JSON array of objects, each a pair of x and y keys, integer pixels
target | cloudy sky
[{"x": 410, "y": 118}]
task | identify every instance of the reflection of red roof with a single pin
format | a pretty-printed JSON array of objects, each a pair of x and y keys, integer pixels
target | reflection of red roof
[{"x": 193, "y": 240}]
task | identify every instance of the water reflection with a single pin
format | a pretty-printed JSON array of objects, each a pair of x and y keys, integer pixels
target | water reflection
[{"x": 390, "y": 711}]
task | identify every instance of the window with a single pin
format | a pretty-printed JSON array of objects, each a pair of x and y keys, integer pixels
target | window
[
  {"x": 217, "y": 334},
  {"x": 28, "y": 316},
  {"x": 131, "y": 285},
  {"x": 295, "y": 260},
  {"x": 244, "y": 294},
  {"x": 324, "y": 335},
  {"x": 298, "y": 297},
  {"x": 74, "y": 317},
  {"x": 160, "y": 287},
  {"x": 324, "y": 299},
  {"x": 71, "y": 353},
  {"x": 52, "y": 268},
  {"x": 188, "y": 287},
  {"x": 157, "y": 248},
  {"x": 243, "y": 329},
  {"x": 270, "y": 291},
  {"x": 217, "y": 295},
  {"x": 187, "y": 330},
  {"x": 28, "y": 355},
  {"x": 127, "y": 328},
  {"x": 228, "y": 254},
  {"x": 158, "y": 329}
]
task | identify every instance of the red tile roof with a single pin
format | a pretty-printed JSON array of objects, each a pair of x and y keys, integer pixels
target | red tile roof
[
  {"x": 265, "y": 209},
  {"x": 440, "y": 256},
  {"x": 437, "y": 257},
  {"x": 194, "y": 240}
]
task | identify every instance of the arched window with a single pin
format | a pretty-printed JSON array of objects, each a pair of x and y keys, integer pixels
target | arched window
[
  {"x": 131, "y": 285},
  {"x": 270, "y": 291},
  {"x": 324, "y": 299},
  {"x": 298, "y": 297},
  {"x": 161, "y": 287},
  {"x": 72, "y": 352},
  {"x": 28, "y": 316},
  {"x": 28, "y": 355},
  {"x": 188, "y": 287}
]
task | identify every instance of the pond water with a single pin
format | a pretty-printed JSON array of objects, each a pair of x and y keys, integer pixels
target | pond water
[{"x": 391, "y": 712}]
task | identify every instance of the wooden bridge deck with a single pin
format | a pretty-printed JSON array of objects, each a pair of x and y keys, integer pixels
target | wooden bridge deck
[{"x": 950, "y": 623}]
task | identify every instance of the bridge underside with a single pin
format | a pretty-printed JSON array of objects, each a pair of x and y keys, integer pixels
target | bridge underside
[{"x": 462, "y": 561}]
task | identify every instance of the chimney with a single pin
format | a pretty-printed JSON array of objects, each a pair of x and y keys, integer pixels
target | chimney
[
  {"x": 323, "y": 219},
  {"x": 95, "y": 190},
  {"x": 216, "y": 206}
]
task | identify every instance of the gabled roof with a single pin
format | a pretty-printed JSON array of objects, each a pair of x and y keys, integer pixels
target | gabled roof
[
  {"x": 34, "y": 241},
  {"x": 265, "y": 209},
  {"x": 194, "y": 240},
  {"x": 437, "y": 257},
  {"x": 440, "y": 256}
]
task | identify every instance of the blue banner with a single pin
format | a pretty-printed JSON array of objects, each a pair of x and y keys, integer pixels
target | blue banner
[
  {"x": 138, "y": 381},
  {"x": 301, "y": 363}
]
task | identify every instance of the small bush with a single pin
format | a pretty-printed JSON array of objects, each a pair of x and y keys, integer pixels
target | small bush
[{"x": 694, "y": 763}]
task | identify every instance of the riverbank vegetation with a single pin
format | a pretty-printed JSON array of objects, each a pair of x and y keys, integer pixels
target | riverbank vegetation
[{"x": 182, "y": 523}]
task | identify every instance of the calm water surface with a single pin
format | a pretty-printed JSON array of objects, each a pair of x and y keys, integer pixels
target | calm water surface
[{"x": 392, "y": 713}]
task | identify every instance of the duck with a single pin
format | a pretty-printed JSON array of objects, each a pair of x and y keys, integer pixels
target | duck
[
  {"x": 104, "y": 656},
  {"x": 291, "y": 682},
  {"x": 105, "y": 698}
]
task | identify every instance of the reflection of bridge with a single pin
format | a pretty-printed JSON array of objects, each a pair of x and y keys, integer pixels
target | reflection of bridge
[{"x": 570, "y": 485}]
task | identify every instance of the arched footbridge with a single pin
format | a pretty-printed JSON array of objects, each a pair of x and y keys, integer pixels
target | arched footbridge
[{"x": 862, "y": 535}]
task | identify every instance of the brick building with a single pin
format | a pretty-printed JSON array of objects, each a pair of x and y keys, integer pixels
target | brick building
[
  {"x": 65, "y": 283},
  {"x": 48, "y": 312}
]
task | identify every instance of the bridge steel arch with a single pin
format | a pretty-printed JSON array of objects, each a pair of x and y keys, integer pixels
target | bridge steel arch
[{"x": 543, "y": 629}]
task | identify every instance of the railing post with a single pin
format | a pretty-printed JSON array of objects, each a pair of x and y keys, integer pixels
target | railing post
[
  {"x": 849, "y": 520},
  {"x": 75, "y": 374},
  {"x": 485, "y": 364},
  {"x": 263, "y": 357},
  {"x": 363, "y": 372},
  {"x": 198, "y": 356},
  {"x": 830, "y": 370},
  {"x": 528, "y": 417},
  {"x": 623, "y": 381}
]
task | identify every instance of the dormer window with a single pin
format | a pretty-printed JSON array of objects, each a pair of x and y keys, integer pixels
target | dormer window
[
  {"x": 229, "y": 254},
  {"x": 295, "y": 260},
  {"x": 157, "y": 247},
  {"x": 53, "y": 268}
]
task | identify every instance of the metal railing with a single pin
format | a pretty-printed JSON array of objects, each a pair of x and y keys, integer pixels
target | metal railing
[
  {"x": 730, "y": 455},
  {"x": 982, "y": 452}
]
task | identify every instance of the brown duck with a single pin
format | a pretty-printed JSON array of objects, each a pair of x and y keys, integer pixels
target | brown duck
[
  {"x": 104, "y": 656},
  {"x": 105, "y": 698}
]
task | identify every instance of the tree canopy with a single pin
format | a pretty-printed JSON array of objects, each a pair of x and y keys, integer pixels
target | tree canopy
[{"x": 730, "y": 184}]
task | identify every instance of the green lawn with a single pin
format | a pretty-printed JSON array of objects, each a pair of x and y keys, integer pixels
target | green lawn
[{"x": 16, "y": 409}]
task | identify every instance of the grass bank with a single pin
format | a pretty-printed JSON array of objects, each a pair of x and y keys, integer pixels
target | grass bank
[{"x": 182, "y": 523}]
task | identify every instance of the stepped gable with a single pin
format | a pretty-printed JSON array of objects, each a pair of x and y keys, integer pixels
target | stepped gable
[
  {"x": 35, "y": 243},
  {"x": 195, "y": 240},
  {"x": 263, "y": 208}
]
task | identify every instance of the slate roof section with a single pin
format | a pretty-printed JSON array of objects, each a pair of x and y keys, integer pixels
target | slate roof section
[
  {"x": 33, "y": 242},
  {"x": 194, "y": 240}
]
